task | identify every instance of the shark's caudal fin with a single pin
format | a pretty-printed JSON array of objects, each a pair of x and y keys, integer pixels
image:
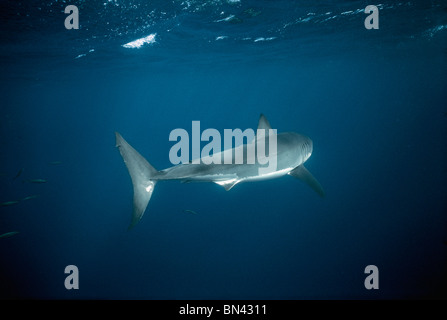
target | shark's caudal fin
[
  {"x": 140, "y": 172},
  {"x": 304, "y": 175}
]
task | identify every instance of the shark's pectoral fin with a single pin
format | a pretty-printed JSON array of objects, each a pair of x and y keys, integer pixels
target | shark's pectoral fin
[
  {"x": 303, "y": 174},
  {"x": 227, "y": 184}
]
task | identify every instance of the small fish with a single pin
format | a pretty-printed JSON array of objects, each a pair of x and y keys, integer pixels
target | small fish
[
  {"x": 19, "y": 173},
  {"x": 252, "y": 12},
  {"x": 34, "y": 196},
  {"x": 8, "y": 234},
  {"x": 190, "y": 211},
  {"x": 8, "y": 203},
  {"x": 37, "y": 181},
  {"x": 55, "y": 163}
]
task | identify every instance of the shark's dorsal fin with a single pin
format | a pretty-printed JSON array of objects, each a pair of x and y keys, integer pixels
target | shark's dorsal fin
[
  {"x": 264, "y": 123},
  {"x": 227, "y": 184},
  {"x": 303, "y": 174}
]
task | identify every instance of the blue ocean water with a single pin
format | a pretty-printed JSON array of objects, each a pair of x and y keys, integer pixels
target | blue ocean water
[{"x": 373, "y": 102}]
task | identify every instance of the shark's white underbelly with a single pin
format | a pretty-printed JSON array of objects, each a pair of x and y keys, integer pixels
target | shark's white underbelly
[{"x": 275, "y": 174}]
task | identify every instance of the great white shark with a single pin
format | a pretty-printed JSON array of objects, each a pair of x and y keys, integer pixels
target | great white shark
[{"x": 292, "y": 151}]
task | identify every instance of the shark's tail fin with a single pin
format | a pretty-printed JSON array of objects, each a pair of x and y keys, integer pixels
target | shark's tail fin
[{"x": 141, "y": 173}]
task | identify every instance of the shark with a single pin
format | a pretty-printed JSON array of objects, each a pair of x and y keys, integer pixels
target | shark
[{"x": 292, "y": 151}]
